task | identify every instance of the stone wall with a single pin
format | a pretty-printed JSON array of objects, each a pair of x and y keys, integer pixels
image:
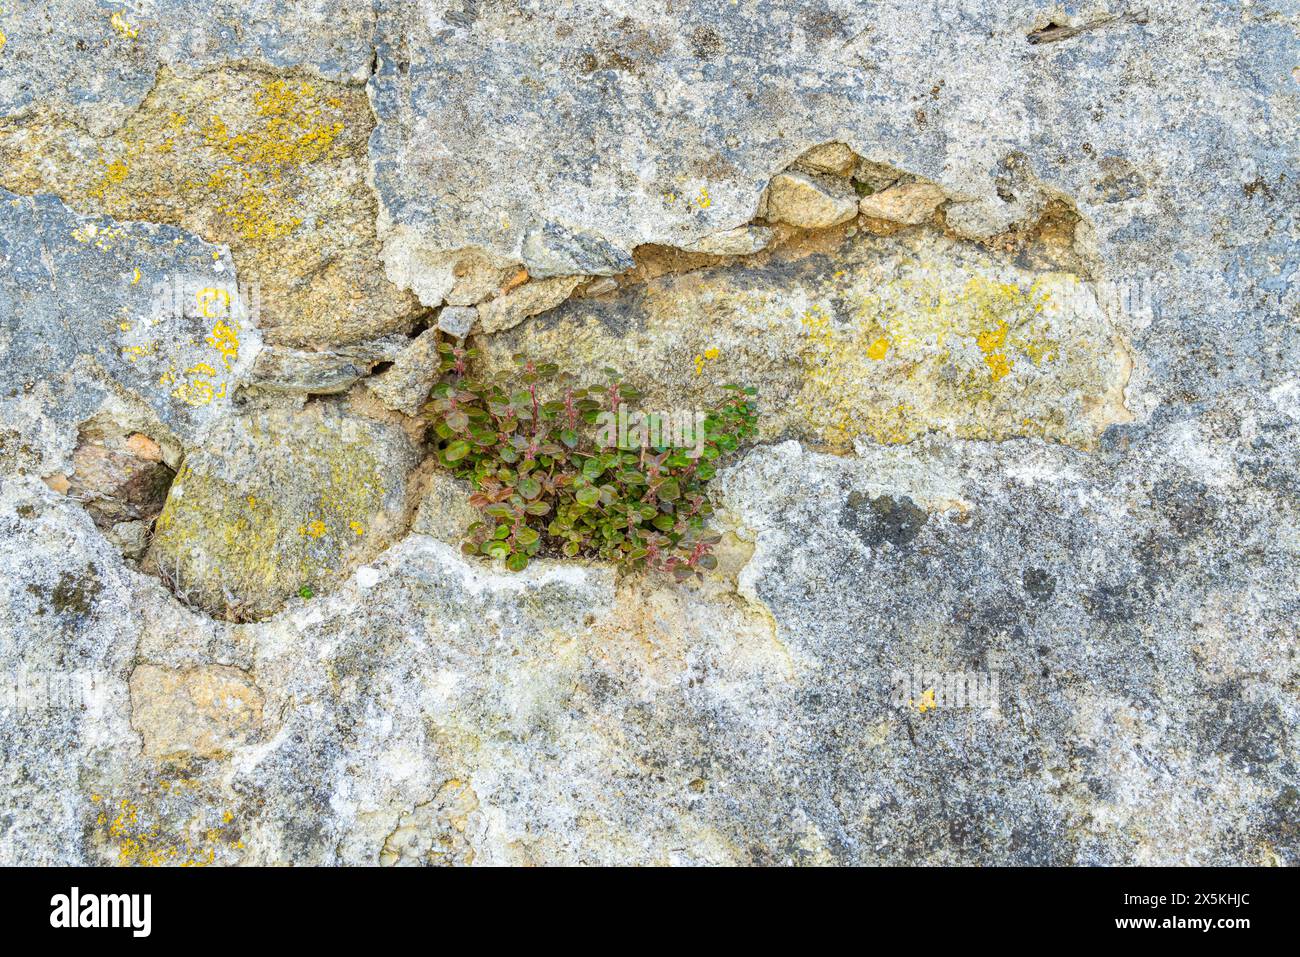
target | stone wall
[{"x": 1008, "y": 575}]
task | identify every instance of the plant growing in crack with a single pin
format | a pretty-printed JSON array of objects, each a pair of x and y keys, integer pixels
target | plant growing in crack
[{"x": 547, "y": 484}]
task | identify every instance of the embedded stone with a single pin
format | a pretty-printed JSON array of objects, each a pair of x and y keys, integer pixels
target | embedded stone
[
  {"x": 809, "y": 202},
  {"x": 202, "y": 712},
  {"x": 906, "y": 336},
  {"x": 908, "y": 203},
  {"x": 741, "y": 241},
  {"x": 406, "y": 385},
  {"x": 277, "y": 501},
  {"x": 530, "y": 299}
]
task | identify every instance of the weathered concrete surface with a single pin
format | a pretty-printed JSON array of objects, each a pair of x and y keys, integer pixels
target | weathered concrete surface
[
  {"x": 1095, "y": 505},
  {"x": 95, "y": 61},
  {"x": 1142, "y": 713}
]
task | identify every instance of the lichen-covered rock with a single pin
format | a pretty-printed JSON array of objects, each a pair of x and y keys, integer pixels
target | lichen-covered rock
[
  {"x": 887, "y": 338},
  {"x": 275, "y": 502},
  {"x": 94, "y": 309},
  {"x": 271, "y": 165},
  {"x": 60, "y": 54}
]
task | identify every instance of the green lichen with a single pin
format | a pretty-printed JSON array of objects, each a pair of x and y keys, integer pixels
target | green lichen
[{"x": 243, "y": 549}]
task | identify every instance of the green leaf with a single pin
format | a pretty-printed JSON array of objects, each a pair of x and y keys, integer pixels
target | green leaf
[
  {"x": 456, "y": 450},
  {"x": 588, "y": 496},
  {"x": 529, "y": 487},
  {"x": 517, "y": 562}
]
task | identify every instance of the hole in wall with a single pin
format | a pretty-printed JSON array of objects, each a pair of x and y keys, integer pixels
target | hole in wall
[{"x": 120, "y": 478}]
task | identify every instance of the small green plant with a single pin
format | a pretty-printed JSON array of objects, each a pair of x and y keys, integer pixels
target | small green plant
[
  {"x": 305, "y": 592},
  {"x": 545, "y": 484}
]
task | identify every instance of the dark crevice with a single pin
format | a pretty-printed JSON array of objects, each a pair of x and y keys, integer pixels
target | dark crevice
[{"x": 1056, "y": 32}]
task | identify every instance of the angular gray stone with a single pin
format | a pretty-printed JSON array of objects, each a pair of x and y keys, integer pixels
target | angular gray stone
[
  {"x": 405, "y": 386},
  {"x": 556, "y": 250},
  {"x": 94, "y": 309},
  {"x": 457, "y": 320},
  {"x": 511, "y": 308},
  {"x": 280, "y": 369},
  {"x": 741, "y": 241}
]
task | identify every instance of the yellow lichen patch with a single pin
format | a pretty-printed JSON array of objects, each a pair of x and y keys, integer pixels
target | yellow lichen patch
[
  {"x": 224, "y": 338},
  {"x": 708, "y": 355},
  {"x": 101, "y": 237},
  {"x": 200, "y": 383},
  {"x": 196, "y": 386},
  {"x": 122, "y": 28},
  {"x": 172, "y": 824},
  {"x": 271, "y": 165},
  {"x": 111, "y": 175},
  {"x": 936, "y": 349}
]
